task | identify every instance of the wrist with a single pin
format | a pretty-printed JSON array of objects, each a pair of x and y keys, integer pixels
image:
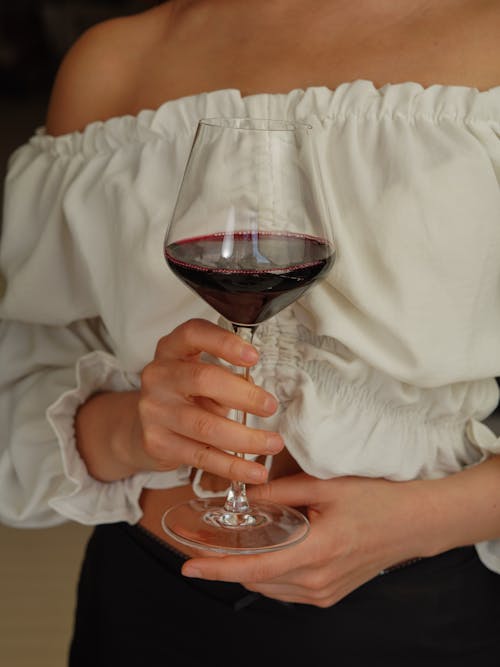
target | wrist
[
  {"x": 430, "y": 518},
  {"x": 462, "y": 508},
  {"x": 126, "y": 436},
  {"x": 108, "y": 435},
  {"x": 414, "y": 521}
]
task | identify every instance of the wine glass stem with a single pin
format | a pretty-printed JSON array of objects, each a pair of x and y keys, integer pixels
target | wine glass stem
[{"x": 236, "y": 499}]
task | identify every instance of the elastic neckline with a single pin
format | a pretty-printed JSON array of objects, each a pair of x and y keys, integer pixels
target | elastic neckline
[
  {"x": 400, "y": 90},
  {"x": 317, "y": 105}
]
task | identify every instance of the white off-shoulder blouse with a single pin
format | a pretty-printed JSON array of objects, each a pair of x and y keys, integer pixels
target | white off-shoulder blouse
[{"x": 385, "y": 369}]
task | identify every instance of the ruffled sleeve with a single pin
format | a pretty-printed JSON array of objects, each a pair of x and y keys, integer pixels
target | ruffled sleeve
[{"x": 55, "y": 349}]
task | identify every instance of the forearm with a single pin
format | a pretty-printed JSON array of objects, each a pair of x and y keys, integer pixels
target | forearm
[
  {"x": 107, "y": 428},
  {"x": 464, "y": 508}
]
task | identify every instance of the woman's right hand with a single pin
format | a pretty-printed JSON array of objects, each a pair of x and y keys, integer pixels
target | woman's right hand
[{"x": 179, "y": 416}]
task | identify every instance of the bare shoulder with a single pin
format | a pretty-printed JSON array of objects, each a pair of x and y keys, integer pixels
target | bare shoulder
[
  {"x": 98, "y": 74},
  {"x": 485, "y": 23},
  {"x": 484, "y": 34}
]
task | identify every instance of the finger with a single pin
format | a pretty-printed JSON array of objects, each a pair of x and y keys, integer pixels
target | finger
[
  {"x": 258, "y": 568},
  {"x": 321, "y": 593},
  {"x": 211, "y": 406},
  {"x": 322, "y": 583},
  {"x": 221, "y": 432},
  {"x": 193, "y": 379},
  {"x": 299, "y": 595},
  {"x": 294, "y": 594},
  {"x": 294, "y": 490},
  {"x": 196, "y": 424},
  {"x": 218, "y": 462},
  {"x": 195, "y": 336},
  {"x": 165, "y": 450}
]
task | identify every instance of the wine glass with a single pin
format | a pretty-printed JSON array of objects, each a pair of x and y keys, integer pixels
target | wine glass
[{"x": 249, "y": 234}]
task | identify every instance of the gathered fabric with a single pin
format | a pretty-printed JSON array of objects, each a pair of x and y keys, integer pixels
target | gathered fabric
[{"x": 385, "y": 369}]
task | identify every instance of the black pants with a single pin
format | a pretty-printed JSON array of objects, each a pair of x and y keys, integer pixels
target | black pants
[{"x": 136, "y": 610}]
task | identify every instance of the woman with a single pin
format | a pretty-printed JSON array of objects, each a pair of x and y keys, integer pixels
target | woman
[{"x": 383, "y": 374}]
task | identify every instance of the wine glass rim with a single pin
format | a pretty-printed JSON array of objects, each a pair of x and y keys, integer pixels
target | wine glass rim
[{"x": 238, "y": 123}]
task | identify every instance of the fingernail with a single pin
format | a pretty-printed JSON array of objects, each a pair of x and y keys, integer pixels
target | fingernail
[
  {"x": 274, "y": 444},
  {"x": 257, "y": 474},
  {"x": 270, "y": 404},
  {"x": 189, "y": 571},
  {"x": 249, "y": 353}
]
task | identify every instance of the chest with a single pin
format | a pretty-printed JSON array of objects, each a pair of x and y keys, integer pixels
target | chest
[{"x": 279, "y": 53}]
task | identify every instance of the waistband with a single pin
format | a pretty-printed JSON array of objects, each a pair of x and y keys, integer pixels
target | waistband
[
  {"x": 166, "y": 552},
  {"x": 233, "y": 594}
]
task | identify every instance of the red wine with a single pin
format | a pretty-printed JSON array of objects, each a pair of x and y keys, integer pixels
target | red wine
[{"x": 250, "y": 276}]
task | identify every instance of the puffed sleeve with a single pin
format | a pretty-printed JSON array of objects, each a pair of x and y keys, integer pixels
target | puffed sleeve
[{"x": 55, "y": 352}]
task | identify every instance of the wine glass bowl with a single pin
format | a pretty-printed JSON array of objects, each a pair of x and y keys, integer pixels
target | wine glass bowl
[
  {"x": 262, "y": 273},
  {"x": 249, "y": 234}
]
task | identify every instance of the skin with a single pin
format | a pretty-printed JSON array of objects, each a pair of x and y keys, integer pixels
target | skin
[
  {"x": 358, "y": 526},
  {"x": 178, "y": 417}
]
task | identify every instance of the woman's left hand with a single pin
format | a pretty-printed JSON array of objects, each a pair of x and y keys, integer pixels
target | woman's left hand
[{"x": 359, "y": 526}]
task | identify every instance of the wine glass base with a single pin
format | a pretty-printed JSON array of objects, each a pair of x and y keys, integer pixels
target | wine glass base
[{"x": 206, "y": 524}]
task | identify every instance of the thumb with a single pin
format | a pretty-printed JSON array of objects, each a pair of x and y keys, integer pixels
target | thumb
[{"x": 293, "y": 490}]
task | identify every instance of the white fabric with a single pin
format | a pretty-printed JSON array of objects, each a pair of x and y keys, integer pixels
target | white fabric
[{"x": 385, "y": 369}]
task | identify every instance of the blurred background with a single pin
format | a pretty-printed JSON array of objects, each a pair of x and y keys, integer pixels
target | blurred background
[
  {"x": 39, "y": 568},
  {"x": 34, "y": 36}
]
